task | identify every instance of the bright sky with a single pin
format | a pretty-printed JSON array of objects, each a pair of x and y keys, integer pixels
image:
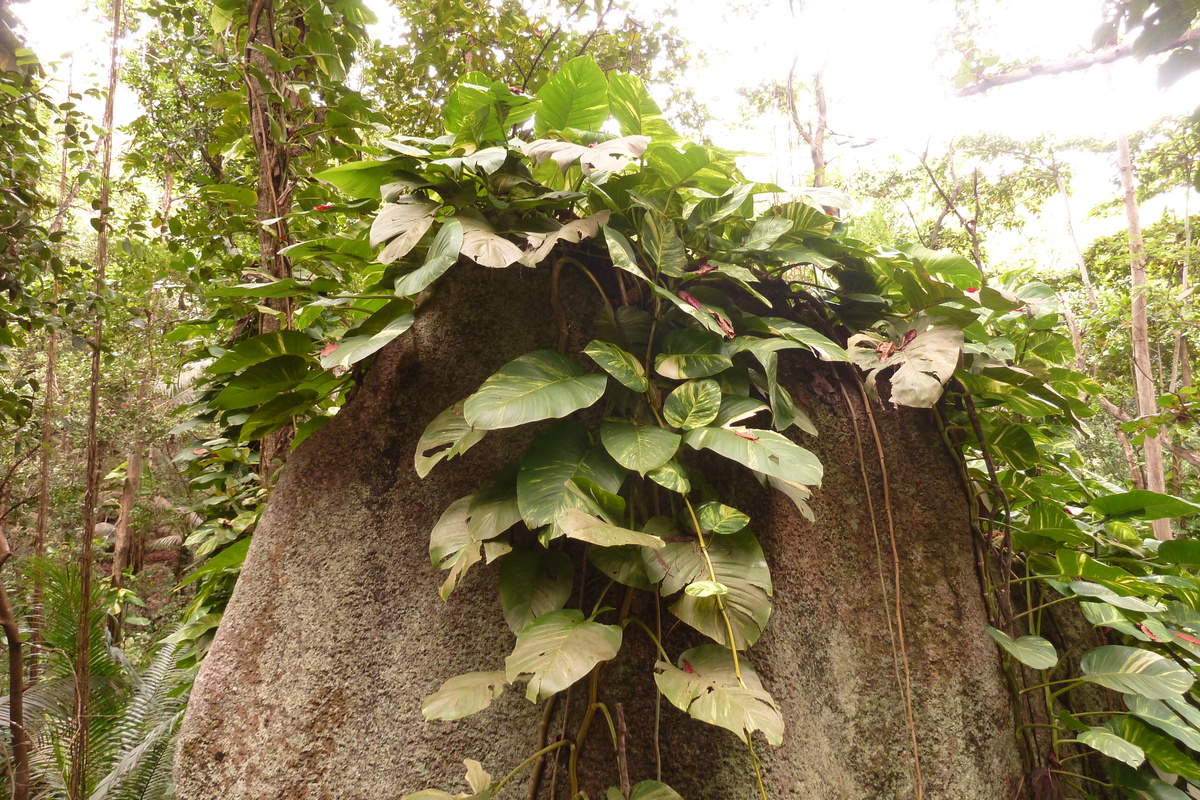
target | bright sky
[{"x": 885, "y": 74}]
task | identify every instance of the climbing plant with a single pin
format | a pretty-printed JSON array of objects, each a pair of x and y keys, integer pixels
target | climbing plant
[{"x": 702, "y": 279}]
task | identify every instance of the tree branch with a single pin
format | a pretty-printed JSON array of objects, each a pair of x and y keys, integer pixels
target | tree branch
[
  {"x": 1073, "y": 64},
  {"x": 1121, "y": 415}
]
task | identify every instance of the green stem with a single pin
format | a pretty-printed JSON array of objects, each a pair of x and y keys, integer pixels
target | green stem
[
  {"x": 1044, "y": 605},
  {"x": 529, "y": 761},
  {"x": 762, "y": 790},
  {"x": 1050, "y": 683},
  {"x": 1084, "y": 777},
  {"x": 712, "y": 574},
  {"x": 653, "y": 638},
  {"x": 581, "y": 736}
]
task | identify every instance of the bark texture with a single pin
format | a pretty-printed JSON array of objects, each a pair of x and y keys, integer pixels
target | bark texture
[{"x": 335, "y": 634}]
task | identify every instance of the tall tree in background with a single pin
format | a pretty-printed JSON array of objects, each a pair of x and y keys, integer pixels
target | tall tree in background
[{"x": 78, "y": 778}]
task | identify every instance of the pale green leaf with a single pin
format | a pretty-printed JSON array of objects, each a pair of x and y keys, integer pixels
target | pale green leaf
[
  {"x": 768, "y": 452},
  {"x": 707, "y": 688},
  {"x": 1160, "y": 716},
  {"x": 705, "y": 588},
  {"x": 621, "y": 253},
  {"x": 1032, "y": 651},
  {"x": 560, "y": 454},
  {"x": 559, "y": 648},
  {"x": 447, "y": 436},
  {"x": 671, "y": 476},
  {"x": 371, "y": 335},
  {"x": 739, "y": 564},
  {"x": 1112, "y": 746},
  {"x": 722, "y": 519},
  {"x": 663, "y": 245},
  {"x": 580, "y": 525},
  {"x": 464, "y": 695},
  {"x": 575, "y": 97},
  {"x": 442, "y": 255},
  {"x": 1135, "y": 671}
]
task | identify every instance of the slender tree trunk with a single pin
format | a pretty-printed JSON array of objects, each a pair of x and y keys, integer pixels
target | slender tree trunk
[
  {"x": 16, "y": 684},
  {"x": 43, "y": 514},
  {"x": 1143, "y": 375},
  {"x": 274, "y": 187},
  {"x": 124, "y": 547},
  {"x": 77, "y": 779}
]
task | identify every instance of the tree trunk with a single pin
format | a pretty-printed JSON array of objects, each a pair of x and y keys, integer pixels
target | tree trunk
[
  {"x": 336, "y": 633},
  {"x": 274, "y": 189},
  {"x": 124, "y": 544},
  {"x": 1143, "y": 374},
  {"x": 78, "y": 778}
]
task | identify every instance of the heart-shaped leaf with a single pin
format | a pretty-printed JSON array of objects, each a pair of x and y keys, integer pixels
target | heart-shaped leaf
[
  {"x": 447, "y": 436},
  {"x": 763, "y": 451},
  {"x": 638, "y": 447},
  {"x": 442, "y": 255},
  {"x": 693, "y": 404},
  {"x": 538, "y": 385},
  {"x": 561, "y": 454}
]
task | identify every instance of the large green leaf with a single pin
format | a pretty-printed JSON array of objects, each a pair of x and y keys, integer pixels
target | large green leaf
[
  {"x": 576, "y": 97},
  {"x": 623, "y": 564},
  {"x": 707, "y": 688},
  {"x": 1032, "y": 651},
  {"x": 692, "y": 354},
  {"x": 763, "y": 451},
  {"x": 442, "y": 255},
  {"x": 1107, "y": 595},
  {"x": 671, "y": 476},
  {"x": 1160, "y": 716},
  {"x": 447, "y": 436},
  {"x": 1135, "y": 671},
  {"x": 663, "y": 245},
  {"x": 693, "y": 404},
  {"x": 263, "y": 347},
  {"x": 559, "y": 648},
  {"x": 633, "y": 107},
  {"x": 1143, "y": 504},
  {"x": 536, "y": 386},
  {"x": 638, "y": 447},
  {"x": 1112, "y": 746},
  {"x": 262, "y": 382},
  {"x": 621, "y": 253},
  {"x": 276, "y": 413},
  {"x": 1138, "y": 784},
  {"x": 560, "y": 454},
  {"x": 823, "y": 346},
  {"x": 740, "y": 566},
  {"x": 722, "y": 519},
  {"x": 1160, "y": 749},
  {"x": 464, "y": 695},
  {"x": 618, "y": 363},
  {"x": 646, "y": 790},
  {"x": 371, "y": 335},
  {"x": 360, "y": 179},
  {"x": 533, "y": 581}
]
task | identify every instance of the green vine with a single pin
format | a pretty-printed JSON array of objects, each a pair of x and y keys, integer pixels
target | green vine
[{"x": 703, "y": 279}]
